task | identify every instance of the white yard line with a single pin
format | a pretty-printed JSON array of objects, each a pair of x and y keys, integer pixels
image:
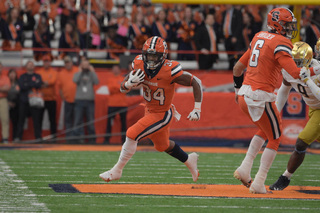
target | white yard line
[{"x": 15, "y": 196}]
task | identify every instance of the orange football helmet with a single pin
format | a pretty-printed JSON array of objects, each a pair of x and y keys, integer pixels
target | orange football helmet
[
  {"x": 154, "y": 52},
  {"x": 283, "y": 22}
]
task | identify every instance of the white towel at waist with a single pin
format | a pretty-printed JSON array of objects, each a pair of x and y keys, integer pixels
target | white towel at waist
[{"x": 255, "y": 108}]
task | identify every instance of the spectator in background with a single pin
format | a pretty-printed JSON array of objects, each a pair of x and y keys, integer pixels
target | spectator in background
[
  {"x": 13, "y": 100},
  {"x": 147, "y": 9},
  {"x": 247, "y": 29},
  {"x": 122, "y": 21},
  {"x": 161, "y": 27},
  {"x": 13, "y": 28},
  {"x": 85, "y": 79},
  {"x": 67, "y": 90},
  {"x": 114, "y": 41},
  {"x": 173, "y": 12},
  {"x": 185, "y": 34},
  {"x": 50, "y": 11},
  {"x": 139, "y": 32},
  {"x": 69, "y": 39},
  {"x": 313, "y": 28},
  {"x": 29, "y": 82},
  {"x": 49, "y": 78},
  {"x": 4, "y": 107},
  {"x": 90, "y": 37},
  {"x": 2, "y": 22},
  {"x": 117, "y": 103},
  {"x": 206, "y": 41},
  {"x": 5, "y": 6},
  {"x": 198, "y": 17},
  {"x": 32, "y": 7},
  {"x": 41, "y": 39},
  {"x": 69, "y": 12},
  {"x": 232, "y": 30},
  {"x": 102, "y": 10},
  {"x": 255, "y": 13}
]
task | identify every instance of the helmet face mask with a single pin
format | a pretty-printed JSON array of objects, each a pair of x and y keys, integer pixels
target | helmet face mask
[
  {"x": 152, "y": 58},
  {"x": 290, "y": 29},
  {"x": 302, "y": 54},
  {"x": 299, "y": 62},
  {"x": 283, "y": 22},
  {"x": 154, "y": 52}
]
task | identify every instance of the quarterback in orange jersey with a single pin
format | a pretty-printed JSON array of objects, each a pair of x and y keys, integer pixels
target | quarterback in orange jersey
[
  {"x": 158, "y": 77},
  {"x": 268, "y": 53}
]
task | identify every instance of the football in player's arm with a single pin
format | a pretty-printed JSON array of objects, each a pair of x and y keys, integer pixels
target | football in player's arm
[
  {"x": 136, "y": 77},
  {"x": 157, "y": 76},
  {"x": 310, "y": 91}
]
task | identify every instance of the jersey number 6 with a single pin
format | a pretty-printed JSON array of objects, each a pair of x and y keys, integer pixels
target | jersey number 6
[{"x": 255, "y": 53}]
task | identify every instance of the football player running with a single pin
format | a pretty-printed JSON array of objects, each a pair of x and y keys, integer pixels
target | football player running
[
  {"x": 310, "y": 91},
  {"x": 158, "y": 77},
  {"x": 269, "y": 52}
]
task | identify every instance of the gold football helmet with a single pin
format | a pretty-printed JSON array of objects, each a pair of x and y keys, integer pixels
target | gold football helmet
[
  {"x": 317, "y": 48},
  {"x": 302, "y": 54}
]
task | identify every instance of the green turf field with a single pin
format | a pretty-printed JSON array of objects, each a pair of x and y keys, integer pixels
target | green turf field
[{"x": 26, "y": 175}]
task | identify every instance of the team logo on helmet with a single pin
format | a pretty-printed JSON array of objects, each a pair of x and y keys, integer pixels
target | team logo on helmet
[
  {"x": 283, "y": 22},
  {"x": 275, "y": 16}
]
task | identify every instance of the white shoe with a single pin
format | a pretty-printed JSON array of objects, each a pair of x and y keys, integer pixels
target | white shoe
[
  {"x": 258, "y": 189},
  {"x": 191, "y": 163},
  {"x": 245, "y": 179},
  {"x": 110, "y": 175}
]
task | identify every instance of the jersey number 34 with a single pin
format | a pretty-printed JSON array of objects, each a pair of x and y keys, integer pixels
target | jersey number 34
[{"x": 156, "y": 95}]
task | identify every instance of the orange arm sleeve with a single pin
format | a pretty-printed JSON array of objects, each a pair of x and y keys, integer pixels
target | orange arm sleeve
[
  {"x": 245, "y": 57},
  {"x": 288, "y": 64}
]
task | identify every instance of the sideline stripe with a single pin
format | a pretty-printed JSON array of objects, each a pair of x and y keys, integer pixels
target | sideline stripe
[
  {"x": 15, "y": 196},
  {"x": 115, "y": 148},
  {"x": 200, "y": 190}
]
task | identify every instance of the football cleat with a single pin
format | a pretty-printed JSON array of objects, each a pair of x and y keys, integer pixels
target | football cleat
[
  {"x": 191, "y": 163},
  {"x": 246, "y": 183},
  {"x": 110, "y": 175},
  {"x": 256, "y": 189},
  {"x": 280, "y": 184}
]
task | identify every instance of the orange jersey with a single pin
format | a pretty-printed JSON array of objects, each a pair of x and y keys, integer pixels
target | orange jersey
[
  {"x": 4, "y": 81},
  {"x": 158, "y": 91},
  {"x": 49, "y": 76},
  {"x": 116, "y": 98},
  {"x": 265, "y": 58},
  {"x": 66, "y": 84},
  {"x": 82, "y": 24}
]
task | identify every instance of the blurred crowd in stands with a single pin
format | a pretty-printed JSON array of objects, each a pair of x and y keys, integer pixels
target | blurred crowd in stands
[{"x": 124, "y": 25}]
